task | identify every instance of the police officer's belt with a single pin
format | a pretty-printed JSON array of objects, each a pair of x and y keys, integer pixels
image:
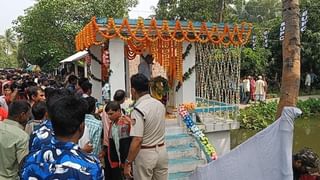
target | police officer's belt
[{"x": 150, "y": 147}]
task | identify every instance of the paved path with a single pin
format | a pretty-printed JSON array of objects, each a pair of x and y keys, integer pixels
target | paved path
[{"x": 303, "y": 98}]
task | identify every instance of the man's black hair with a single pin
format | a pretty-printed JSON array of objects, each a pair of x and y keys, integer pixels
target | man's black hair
[
  {"x": 148, "y": 59},
  {"x": 140, "y": 83},
  {"x": 39, "y": 110},
  {"x": 31, "y": 83},
  {"x": 82, "y": 80},
  {"x": 52, "y": 82},
  {"x": 113, "y": 106},
  {"x": 44, "y": 79},
  {"x": 72, "y": 78},
  {"x": 86, "y": 86},
  {"x": 52, "y": 96},
  {"x": 309, "y": 159},
  {"x": 48, "y": 91},
  {"x": 33, "y": 91},
  {"x": 119, "y": 95},
  {"x": 17, "y": 107},
  {"x": 66, "y": 114},
  {"x": 91, "y": 104},
  {"x": 9, "y": 76},
  {"x": 8, "y": 86}
]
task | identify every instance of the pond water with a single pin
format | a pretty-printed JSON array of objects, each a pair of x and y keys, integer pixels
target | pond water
[{"x": 306, "y": 134}]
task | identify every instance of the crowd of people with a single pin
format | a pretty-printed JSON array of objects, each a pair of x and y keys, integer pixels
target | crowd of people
[
  {"x": 52, "y": 129},
  {"x": 253, "y": 89}
]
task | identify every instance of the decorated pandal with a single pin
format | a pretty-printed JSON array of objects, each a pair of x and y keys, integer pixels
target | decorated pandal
[
  {"x": 215, "y": 66},
  {"x": 217, "y": 81},
  {"x": 163, "y": 39},
  {"x": 217, "y": 57}
]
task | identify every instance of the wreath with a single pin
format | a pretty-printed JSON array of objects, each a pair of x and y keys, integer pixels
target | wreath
[{"x": 159, "y": 88}]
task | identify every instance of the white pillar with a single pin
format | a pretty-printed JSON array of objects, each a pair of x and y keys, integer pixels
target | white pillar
[
  {"x": 96, "y": 71},
  {"x": 85, "y": 69},
  {"x": 187, "y": 92},
  {"x": 76, "y": 69},
  {"x": 117, "y": 65}
]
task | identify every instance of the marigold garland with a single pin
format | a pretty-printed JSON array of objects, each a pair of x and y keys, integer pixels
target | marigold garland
[
  {"x": 164, "y": 42},
  {"x": 228, "y": 37},
  {"x": 189, "y": 106},
  {"x": 179, "y": 62}
]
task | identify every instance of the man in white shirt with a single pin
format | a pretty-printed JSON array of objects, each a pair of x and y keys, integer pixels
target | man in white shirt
[
  {"x": 307, "y": 82},
  {"x": 259, "y": 91},
  {"x": 246, "y": 88}
]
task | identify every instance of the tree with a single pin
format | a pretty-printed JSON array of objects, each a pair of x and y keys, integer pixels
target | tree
[
  {"x": 254, "y": 62},
  {"x": 8, "y": 49},
  {"x": 290, "y": 82},
  {"x": 8, "y": 41},
  {"x": 310, "y": 40},
  {"x": 48, "y": 29},
  {"x": 256, "y": 11},
  {"x": 274, "y": 68},
  {"x": 201, "y": 10}
]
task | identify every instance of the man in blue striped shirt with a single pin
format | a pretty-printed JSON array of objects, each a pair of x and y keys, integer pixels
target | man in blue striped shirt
[
  {"x": 93, "y": 128},
  {"x": 62, "y": 158}
]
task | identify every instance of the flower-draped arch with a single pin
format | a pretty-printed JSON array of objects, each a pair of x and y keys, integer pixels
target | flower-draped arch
[{"x": 163, "y": 39}]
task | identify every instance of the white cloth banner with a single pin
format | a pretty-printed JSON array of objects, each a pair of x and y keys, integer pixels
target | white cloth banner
[
  {"x": 282, "y": 31},
  {"x": 265, "y": 156},
  {"x": 304, "y": 20}
]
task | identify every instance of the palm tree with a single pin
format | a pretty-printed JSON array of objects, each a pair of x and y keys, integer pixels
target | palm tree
[
  {"x": 290, "y": 82},
  {"x": 8, "y": 41},
  {"x": 254, "y": 10},
  {"x": 238, "y": 10},
  {"x": 2, "y": 46},
  {"x": 8, "y": 49}
]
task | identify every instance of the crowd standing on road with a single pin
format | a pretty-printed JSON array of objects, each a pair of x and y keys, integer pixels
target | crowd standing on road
[{"x": 50, "y": 129}]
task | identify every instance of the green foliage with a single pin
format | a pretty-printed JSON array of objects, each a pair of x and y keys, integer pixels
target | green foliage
[
  {"x": 261, "y": 12},
  {"x": 259, "y": 116},
  {"x": 201, "y": 10},
  {"x": 256, "y": 11},
  {"x": 310, "y": 107},
  {"x": 265, "y": 15},
  {"x": 310, "y": 39},
  {"x": 8, "y": 50},
  {"x": 254, "y": 62},
  {"x": 48, "y": 29},
  {"x": 218, "y": 10}
]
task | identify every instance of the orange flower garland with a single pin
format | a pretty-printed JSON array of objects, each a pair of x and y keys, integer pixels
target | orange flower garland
[
  {"x": 165, "y": 44},
  {"x": 179, "y": 61},
  {"x": 190, "y": 106},
  {"x": 87, "y": 37}
]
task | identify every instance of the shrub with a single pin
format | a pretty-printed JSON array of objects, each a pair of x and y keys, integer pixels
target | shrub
[{"x": 259, "y": 116}]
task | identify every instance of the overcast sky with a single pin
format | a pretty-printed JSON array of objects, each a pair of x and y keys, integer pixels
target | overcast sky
[{"x": 11, "y": 9}]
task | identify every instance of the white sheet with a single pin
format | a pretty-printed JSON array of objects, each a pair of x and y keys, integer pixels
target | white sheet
[{"x": 265, "y": 156}]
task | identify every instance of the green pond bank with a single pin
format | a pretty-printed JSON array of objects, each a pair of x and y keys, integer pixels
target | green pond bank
[{"x": 306, "y": 134}]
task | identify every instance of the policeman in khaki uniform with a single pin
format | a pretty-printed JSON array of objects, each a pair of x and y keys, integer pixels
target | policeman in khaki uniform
[{"x": 147, "y": 150}]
